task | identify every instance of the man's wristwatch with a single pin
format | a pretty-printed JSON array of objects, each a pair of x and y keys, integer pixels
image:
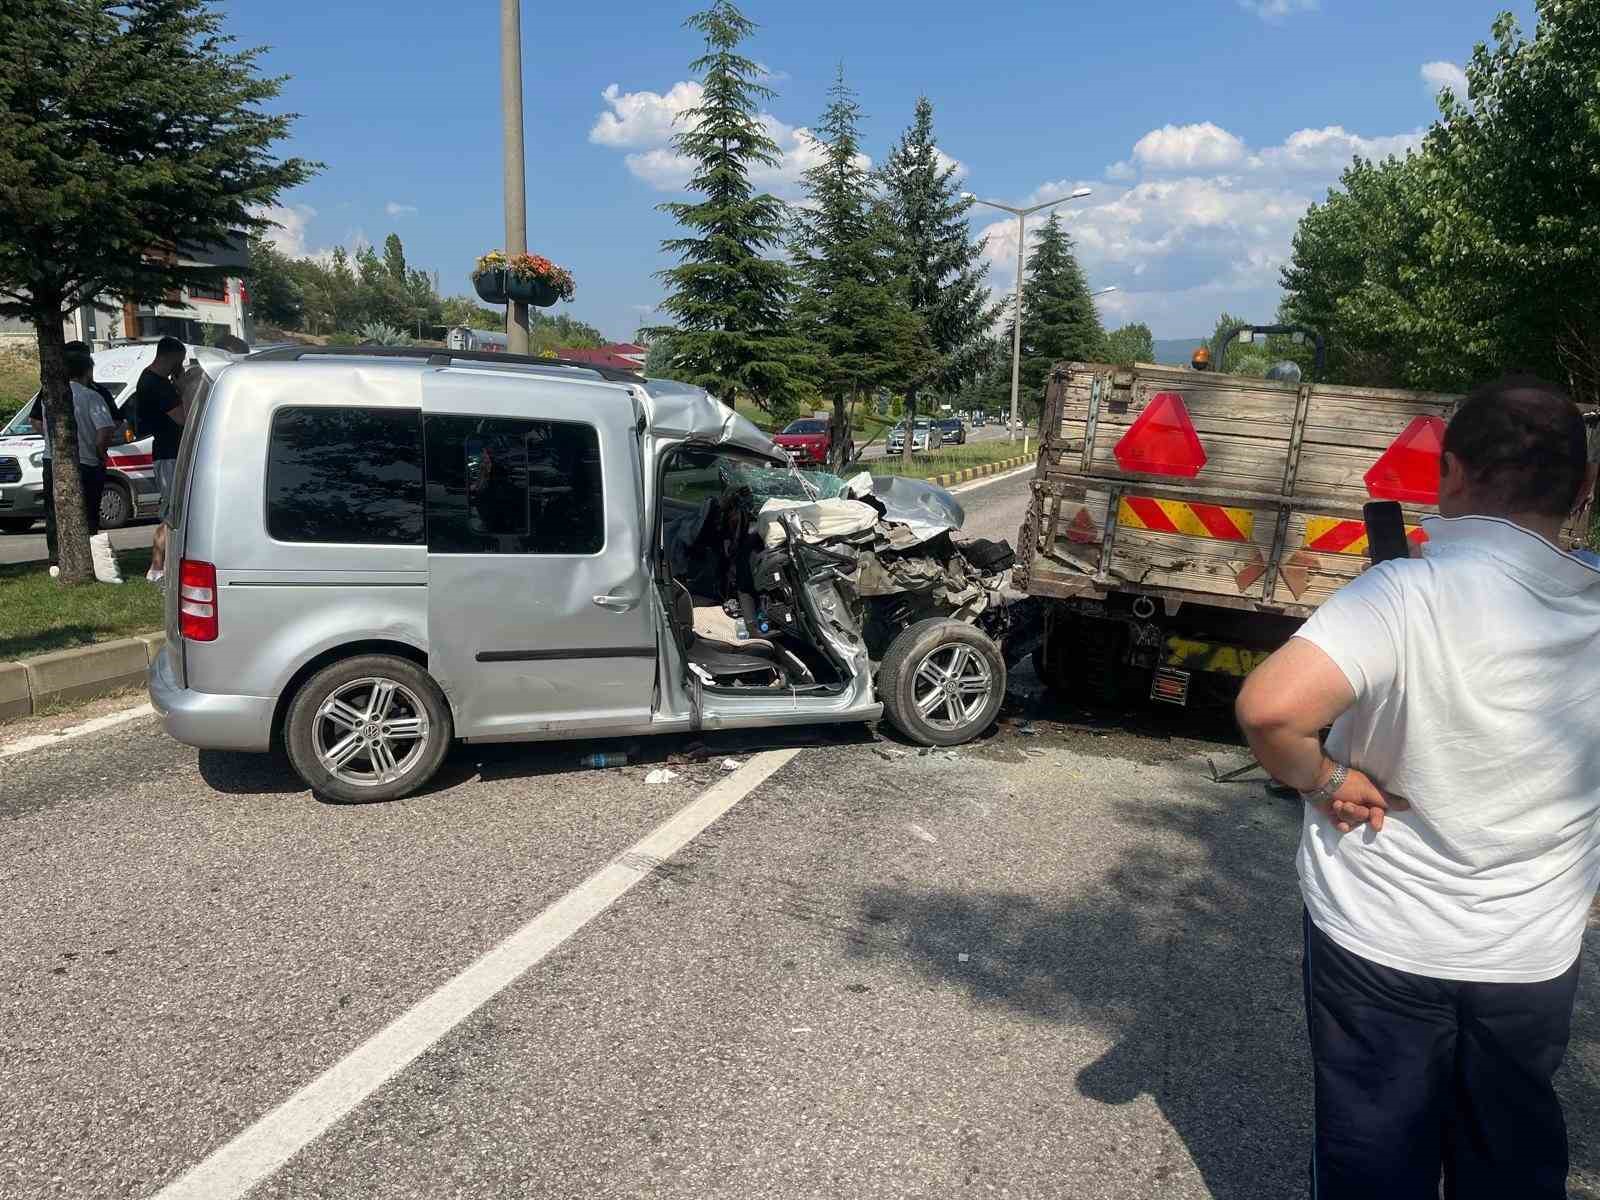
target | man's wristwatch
[{"x": 1326, "y": 792}]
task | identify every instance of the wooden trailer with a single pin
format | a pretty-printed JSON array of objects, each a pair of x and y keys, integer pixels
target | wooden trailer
[{"x": 1186, "y": 522}]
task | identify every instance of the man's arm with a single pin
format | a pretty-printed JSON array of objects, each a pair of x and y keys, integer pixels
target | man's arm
[{"x": 1283, "y": 707}]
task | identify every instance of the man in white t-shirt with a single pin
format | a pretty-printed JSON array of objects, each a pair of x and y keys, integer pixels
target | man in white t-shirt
[
  {"x": 1451, "y": 841},
  {"x": 96, "y": 426}
]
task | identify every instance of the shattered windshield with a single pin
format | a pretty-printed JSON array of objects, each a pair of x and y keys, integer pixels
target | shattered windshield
[{"x": 779, "y": 483}]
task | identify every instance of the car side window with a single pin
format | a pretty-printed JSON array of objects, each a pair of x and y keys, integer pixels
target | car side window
[
  {"x": 498, "y": 485},
  {"x": 346, "y": 475}
]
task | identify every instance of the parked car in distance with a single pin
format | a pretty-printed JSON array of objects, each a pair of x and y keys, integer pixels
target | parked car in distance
[
  {"x": 979, "y": 420},
  {"x": 379, "y": 551},
  {"x": 952, "y": 431},
  {"x": 131, "y": 490},
  {"x": 809, "y": 440},
  {"x": 923, "y": 438}
]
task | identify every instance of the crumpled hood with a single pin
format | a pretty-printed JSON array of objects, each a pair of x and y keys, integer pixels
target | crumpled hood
[{"x": 924, "y": 509}]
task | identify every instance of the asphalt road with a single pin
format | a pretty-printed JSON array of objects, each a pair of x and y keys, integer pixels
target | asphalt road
[
  {"x": 30, "y": 547},
  {"x": 1059, "y": 962}
]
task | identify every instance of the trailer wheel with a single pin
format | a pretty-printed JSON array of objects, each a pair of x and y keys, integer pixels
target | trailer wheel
[{"x": 942, "y": 682}]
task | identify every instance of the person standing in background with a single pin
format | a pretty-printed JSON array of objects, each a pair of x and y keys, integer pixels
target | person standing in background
[
  {"x": 96, "y": 429},
  {"x": 158, "y": 414}
]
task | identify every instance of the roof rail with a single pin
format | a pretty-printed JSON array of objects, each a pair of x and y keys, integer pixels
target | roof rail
[{"x": 436, "y": 357}]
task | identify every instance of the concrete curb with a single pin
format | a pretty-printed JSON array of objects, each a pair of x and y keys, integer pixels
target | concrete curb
[
  {"x": 82, "y": 673},
  {"x": 994, "y": 468}
]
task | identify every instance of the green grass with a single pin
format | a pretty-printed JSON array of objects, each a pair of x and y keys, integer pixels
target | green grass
[
  {"x": 19, "y": 378},
  {"x": 948, "y": 460},
  {"x": 38, "y": 615}
]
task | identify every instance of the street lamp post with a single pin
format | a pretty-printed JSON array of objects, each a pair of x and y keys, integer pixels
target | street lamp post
[
  {"x": 1022, "y": 215},
  {"x": 516, "y": 178}
]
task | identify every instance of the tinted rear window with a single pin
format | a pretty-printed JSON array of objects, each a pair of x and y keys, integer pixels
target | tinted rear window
[{"x": 345, "y": 475}]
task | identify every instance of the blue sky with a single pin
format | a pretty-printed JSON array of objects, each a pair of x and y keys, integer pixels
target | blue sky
[{"x": 1204, "y": 126}]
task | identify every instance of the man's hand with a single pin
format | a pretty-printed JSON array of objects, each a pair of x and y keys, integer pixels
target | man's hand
[{"x": 1360, "y": 800}]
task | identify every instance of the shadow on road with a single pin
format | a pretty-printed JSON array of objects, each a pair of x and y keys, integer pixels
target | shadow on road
[
  {"x": 1186, "y": 952},
  {"x": 270, "y": 774}
]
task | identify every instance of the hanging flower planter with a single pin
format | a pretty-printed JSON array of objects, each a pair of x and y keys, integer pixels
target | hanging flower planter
[
  {"x": 522, "y": 278},
  {"x": 491, "y": 285},
  {"x": 540, "y": 293}
]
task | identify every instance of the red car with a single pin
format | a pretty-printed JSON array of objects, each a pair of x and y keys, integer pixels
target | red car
[{"x": 808, "y": 441}]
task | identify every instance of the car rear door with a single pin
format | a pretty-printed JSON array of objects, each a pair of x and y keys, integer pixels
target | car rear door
[{"x": 538, "y": 613}]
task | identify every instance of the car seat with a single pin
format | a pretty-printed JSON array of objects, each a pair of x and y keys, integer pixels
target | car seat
[{"x": 743, "y": 661}]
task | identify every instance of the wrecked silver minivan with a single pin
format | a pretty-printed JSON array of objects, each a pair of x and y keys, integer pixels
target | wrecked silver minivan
[{"x": 383, "y": 551}]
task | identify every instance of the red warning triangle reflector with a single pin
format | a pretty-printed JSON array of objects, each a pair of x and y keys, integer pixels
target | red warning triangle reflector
[
  {"x": 1409, "y": 469},
  {"x": 1162, "y": 441}
]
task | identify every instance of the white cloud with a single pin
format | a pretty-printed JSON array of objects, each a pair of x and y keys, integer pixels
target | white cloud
[
  {"x": 944, "y": 161},
  {"x": 1441, "y": 75},
  {"x": 395, "y": 209},
  {"x": 1276, "y": 10},
  {"x": 1193, "y": 221},
  {"x": 644, "y": 122},
  {"x": 642, "y": 118},
  {"x": 290, "y": 235},
  {"x": 1329, "y": 151},
  {"x": 1188, "y": 148}
]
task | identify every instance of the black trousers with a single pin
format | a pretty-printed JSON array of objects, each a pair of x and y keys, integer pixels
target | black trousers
[
  {"x": 93, "y": 482},
  {"x": 1416, "y": 1077}
]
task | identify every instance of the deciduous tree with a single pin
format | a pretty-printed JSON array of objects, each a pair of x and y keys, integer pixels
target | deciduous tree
[{"x": 1130, "y": 344}]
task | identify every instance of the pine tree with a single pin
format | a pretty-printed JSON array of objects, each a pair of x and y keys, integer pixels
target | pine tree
[
  {"x": 394, "y": 258},
  {"x": 939, "y": 263},
  {"x": 1059, "y": 321},
  {"x": 731, "y": 304},
  {"x": 127, "y": 131},
  {"x": 850, "y": 306}
]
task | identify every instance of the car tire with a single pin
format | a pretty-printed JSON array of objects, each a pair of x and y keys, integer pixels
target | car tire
[
  {"x": 315, "y": 735},
  {"x": 116, "y": 505},
  {"x": 16, "y": 524},
  {"x": 908, "y": 681}
]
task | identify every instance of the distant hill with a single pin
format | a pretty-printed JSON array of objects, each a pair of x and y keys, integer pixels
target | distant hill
[{"x": 1176, "y": 351}]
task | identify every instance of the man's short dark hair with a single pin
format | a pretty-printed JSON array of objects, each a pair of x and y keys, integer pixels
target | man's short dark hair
[
  {"x": 168, "y": 346},
  {"x": 1523, "y": 443},
  {"x": 79, "y": 363}
]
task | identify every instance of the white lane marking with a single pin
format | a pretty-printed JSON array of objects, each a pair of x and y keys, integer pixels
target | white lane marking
[
  {"x": 237, "y": 1166},
  {"x": 38, "y": 741},
  {"x": 987, "y": 480}
]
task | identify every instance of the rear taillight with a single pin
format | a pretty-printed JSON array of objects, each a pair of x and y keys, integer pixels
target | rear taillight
[{"x": 197, "y": 601}]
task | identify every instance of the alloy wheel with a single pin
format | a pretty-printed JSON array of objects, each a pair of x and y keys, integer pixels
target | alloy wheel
[
  {"x": 370, "y": 731},
  {"x": 953, "y": 681}
]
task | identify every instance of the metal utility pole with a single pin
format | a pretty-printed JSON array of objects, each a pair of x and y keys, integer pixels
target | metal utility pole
[
  {"x": 516, "y": 176},
  {"x": 1022, "y": 215}
]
